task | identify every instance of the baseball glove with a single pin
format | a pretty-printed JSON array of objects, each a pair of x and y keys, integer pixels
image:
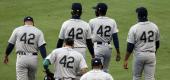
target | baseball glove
[{"x": 49, "y": 75}]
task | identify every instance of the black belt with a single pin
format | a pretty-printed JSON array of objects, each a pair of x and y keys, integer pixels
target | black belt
[
  {"x": 148, "y": 51},
  {"x": 79, "y": 47},
  {"x": 23, "y": 53},
  {"x": 67, "y": 78},
  {"x": 102, "y": 42}
]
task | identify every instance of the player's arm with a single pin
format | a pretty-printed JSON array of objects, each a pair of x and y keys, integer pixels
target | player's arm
[
  {"x": 129, "y": 50},
  {"x": 116, "y": 44},
  {"x": 89, "y": 42},
  {"x": 157, "y": 45},
  {"x": 90, "y": 47},
  {"x": 130, "y": 46},
  {"x": 9, "y": 49},
  {"x": 46, "y": 63},
  {"x": 41, "y": 45},
  {"x": 43, "y": 51},
  {"x": 60, "y": 43},
  {"x": 61, "y": 36}
]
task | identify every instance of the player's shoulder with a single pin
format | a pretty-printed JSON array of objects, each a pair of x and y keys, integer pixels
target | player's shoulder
[
  {"x": 152, "y": 23},
  {"x": 107, "y": 75}
]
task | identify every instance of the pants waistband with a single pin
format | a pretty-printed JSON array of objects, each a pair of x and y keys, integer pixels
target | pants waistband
[
  {"x": 79, "y": 47},
  {"x": 103, "y": 42},
  {"x": 24, "y": 53},
  {"x": 66, "y": 78},
  {"x": 148, "y": 51}
]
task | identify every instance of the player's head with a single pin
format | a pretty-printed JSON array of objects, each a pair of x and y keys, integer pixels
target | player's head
[
  {"x": 28, "y": 20},
  {"x": 142, "y": 14},
  {"x": 76, "y": 9},
  {"x": 69, "y": 42},
  {"x": 100, "y": 9},
  {"x": 96, "y": 63}
]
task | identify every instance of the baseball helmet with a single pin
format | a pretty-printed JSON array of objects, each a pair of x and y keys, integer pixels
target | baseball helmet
[
  {"x": 96, "y": 62},
  {"x": 142, "y": 12},
  {"x": 48, "y": 78},
  {"x": 101, "y": 7},
  {"x": 28, "y": 18},
  {"x": 76, "y": 7}
]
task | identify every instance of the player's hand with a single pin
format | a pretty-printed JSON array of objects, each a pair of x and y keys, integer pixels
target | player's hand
[
  {"x": 125, "y": 65},
  {"x": 118, "y": 57},
  {"x": 6, "y": 60}
]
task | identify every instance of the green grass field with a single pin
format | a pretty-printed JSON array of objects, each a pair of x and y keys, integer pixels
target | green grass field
[{"x": 50, "y": 14}]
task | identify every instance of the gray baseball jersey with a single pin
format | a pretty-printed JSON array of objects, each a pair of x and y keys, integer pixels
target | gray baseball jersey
[
  {"x": 102, "y": 30},
  {"x": 77, "y": 29},
  {"x": 144, "y": 36},
  {"x": 96, "y": 74},
  {"x": 27, "y": 39},
  {"x": 67, "y": 62}
]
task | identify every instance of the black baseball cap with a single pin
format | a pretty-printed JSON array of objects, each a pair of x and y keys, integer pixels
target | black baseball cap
[
  {"x": 28, "y": 18},
  {"x": 96, "y": 62},
  {"x": 101, "y": 7},
  {"x": 76, "y": 6},
  {"x": 142, "y": 12}
]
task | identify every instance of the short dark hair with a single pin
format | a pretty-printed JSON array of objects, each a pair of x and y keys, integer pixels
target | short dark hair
[{"x": 69, "y": 41}]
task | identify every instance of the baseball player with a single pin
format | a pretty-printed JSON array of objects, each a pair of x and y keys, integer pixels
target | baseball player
[
  {"x": 96, "y": 73},
  {"x": 67, "y": 61},
  {"x": 77, "y": 29},
  {"x": 28, "y": 40},
  {"x": 143, "y": 37},
  {"x": 103, "y": 30}
]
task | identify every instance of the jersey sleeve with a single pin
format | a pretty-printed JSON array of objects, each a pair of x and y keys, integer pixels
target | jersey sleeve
[
  {"x": 41, "y": 39},
  {"x": 109, "y": 77},
  {"x": 13, "y": 37},
  {"x": 157, "y": 35},
  {"x": 83, "y": 63},
  {"x": 62, "y": 31},
  {"x": 91, "y": 25},
  {"x": 52, "y": 57},
  {"x": 131, "y": 36},
  {"x": 83, "y": 77},
  {"x": 88, "y": 32},
  {"x": 115, "y": 28}
]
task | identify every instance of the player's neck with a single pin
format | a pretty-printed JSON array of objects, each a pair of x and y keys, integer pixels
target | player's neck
[
  {"x": 29, "y": 24},
  {"x": 67, "y": 46},
  {"x": 142, "y": 19},
  {"x": 75, "y": 17}
]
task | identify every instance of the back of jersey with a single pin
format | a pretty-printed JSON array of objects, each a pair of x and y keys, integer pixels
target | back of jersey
[
  {"x": 76, "y": 29},
  {"x": 27, "y": 38},
  {"x": 145, "y": 36},
  {"x": 102, "y": 29},
  {"x": 67, "y": 62}
]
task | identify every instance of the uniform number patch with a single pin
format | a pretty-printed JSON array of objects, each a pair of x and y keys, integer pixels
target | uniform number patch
[
  {"x": 147, "y": 36},
  {"x": 104, "y": 31},
  {"x": 76, "y": 33},
  {"x": 67, "y": 61},
  {"x": 27, "y": 38}
]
